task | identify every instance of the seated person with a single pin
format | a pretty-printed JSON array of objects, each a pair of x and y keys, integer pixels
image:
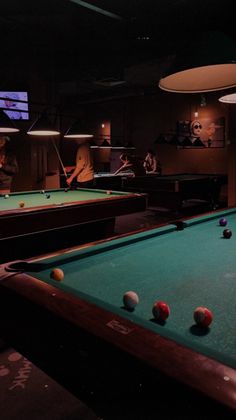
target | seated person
[
  {"x": 132, "y": 163},
  {"x": 151, "y": 164}
]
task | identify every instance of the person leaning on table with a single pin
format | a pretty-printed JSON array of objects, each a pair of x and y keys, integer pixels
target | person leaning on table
[
  {"x": 131, "y": 163},
  {"x": 84, "y": 171}
]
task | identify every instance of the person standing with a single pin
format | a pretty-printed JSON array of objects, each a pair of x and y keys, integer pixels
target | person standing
[
  {"x": 8, "y": 166},
  {"x": 84, "y": 171}
]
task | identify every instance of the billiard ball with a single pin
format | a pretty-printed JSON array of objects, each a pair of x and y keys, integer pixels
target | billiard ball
[
  {"x": 223, "y": 222},
  {"x": 160, "y": 310},
  {"x": 57, "y": 274},
  {"x": 202, "y": 316},
  {"x": 66, "y": 189},
  {"x": 42, "y": 192},
  {"x": 130, "y": 299},
  {"x": 6, "y": 196},
  {"x": 227, "y": 233},
  {"x": 109, "y": 192},
  {"x": 48, "y": 196},
  {"x": 21, "y": 204}
]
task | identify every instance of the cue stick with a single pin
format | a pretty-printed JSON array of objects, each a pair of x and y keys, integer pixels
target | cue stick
[{"x": 59, "y": 157}]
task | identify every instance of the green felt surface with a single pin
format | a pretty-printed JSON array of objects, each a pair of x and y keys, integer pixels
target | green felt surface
[
  {"x": 189, "y": 268},
  {"x": 36, "y": 198}
]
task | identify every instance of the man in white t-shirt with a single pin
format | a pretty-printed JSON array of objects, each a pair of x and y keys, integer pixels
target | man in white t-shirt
[{"x": 83, "y": 171}]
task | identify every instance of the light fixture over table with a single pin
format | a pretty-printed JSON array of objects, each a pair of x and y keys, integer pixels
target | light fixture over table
[
  {"x": 43, "y": 127},
  {"x": 228, "y": 99},
  {"x": 205, "y": 64},
  {"x": 6, "y": 124},
  {"x": 78, "y": 130}
]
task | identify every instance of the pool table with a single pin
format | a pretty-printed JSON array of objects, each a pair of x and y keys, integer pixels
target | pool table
[
  {"x": 172, "y": 191},
  {"x": 106, "y": 180},
  {"x": 87, "y": 212},
  {"x": 187, "y": 264}
]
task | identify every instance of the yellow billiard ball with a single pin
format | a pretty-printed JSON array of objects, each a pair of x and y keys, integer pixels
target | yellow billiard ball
[
  {"x": 57, "y": 274},
  {"x": 21, "y": 204}
]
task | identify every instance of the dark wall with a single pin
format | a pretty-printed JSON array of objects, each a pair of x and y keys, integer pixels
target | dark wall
[{"x": 143, "y": 118}]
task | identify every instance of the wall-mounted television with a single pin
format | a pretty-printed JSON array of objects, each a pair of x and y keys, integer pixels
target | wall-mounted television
[{"x": 15, "y": 104}]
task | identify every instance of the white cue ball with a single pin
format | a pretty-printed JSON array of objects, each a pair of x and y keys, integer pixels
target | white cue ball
[{"x": 130, "y": 299}]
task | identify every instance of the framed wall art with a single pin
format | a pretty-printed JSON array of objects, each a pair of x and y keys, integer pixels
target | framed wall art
[{"x": 201, "y": 133}]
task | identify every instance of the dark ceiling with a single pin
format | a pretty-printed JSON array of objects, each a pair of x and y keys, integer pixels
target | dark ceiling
[{"x": 89, "y": 47}]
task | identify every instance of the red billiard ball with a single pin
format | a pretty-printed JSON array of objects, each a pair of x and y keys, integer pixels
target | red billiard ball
[
  {"x": 203, "y": 316},
  {"x": 227, "y": 233},
  {"x": 160, "y": 310},
  {"x": 109, "y": 192},
  {"x": 223, "y": 222}
]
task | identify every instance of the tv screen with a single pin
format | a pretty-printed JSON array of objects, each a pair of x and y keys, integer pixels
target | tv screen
[{"x": 15, "y": 104}]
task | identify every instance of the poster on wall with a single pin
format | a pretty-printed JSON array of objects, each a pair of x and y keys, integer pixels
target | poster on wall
[{"x": 201, "y": 133}]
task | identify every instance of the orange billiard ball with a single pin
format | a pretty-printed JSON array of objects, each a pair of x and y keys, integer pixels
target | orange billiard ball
[
  {"x": 57, "y": 274},
  {"x": 21, "y": 204}
]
